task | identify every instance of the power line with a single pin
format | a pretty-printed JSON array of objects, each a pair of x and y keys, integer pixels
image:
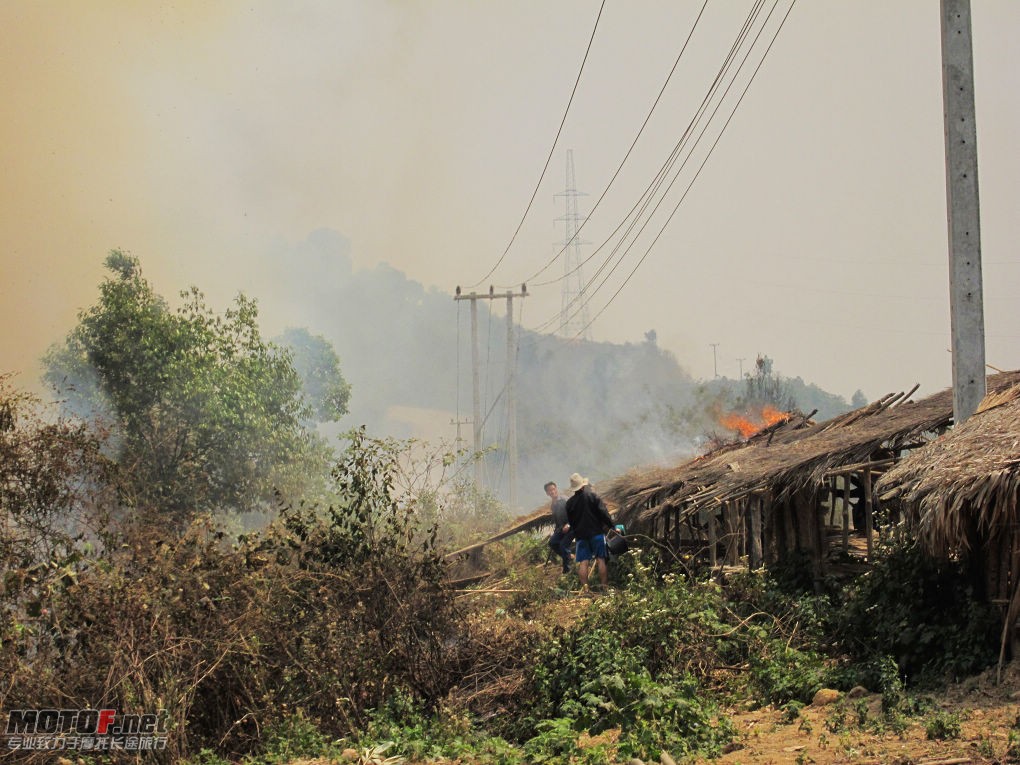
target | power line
[
  {"x": 656, "y": 184},
  {"x": 701, "y": 167},
  {"x": 551, "y": 150},
  {"x": 626, "y": 156},
  {"x": 672, "y": 161}
]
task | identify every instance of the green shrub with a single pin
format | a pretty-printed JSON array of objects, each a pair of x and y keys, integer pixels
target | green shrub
[
  {"x": 943, "y": 725},
  {"x": 294, "y": 737},
  {"x": 921, "y": 611},
  {"x": 441, "y": 734},
  {"x": 635, "y": 661},
  {"x": 781, "y": 673}
]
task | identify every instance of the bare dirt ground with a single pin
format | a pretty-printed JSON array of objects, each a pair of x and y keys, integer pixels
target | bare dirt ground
[{"x": 985, "y": 711}]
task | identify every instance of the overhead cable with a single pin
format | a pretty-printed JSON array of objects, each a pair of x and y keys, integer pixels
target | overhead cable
[
  {"x": 551, "y": 150},
  {"x": 700, "y": 168},
  {"x": 626, "y": 156},
  {"x": 654, "y": 186}
]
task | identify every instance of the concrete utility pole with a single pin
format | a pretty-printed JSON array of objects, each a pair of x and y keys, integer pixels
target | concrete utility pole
[
  {"x": 474, "y": 297},
  {"x": 740, "y": 362},
  {"x": 715, "y": 367},
  {"x": 966, "y": 304}
]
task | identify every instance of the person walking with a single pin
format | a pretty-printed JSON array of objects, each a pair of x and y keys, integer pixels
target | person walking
[
  {"x": 590, "y": 520},
  {"x": 562, "y": 534}
]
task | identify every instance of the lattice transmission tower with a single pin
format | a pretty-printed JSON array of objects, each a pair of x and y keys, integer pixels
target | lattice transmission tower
[{"x": 574, "y": 315}]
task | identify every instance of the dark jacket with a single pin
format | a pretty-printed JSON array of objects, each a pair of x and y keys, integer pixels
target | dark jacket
[{"x": 588, "y": 514}]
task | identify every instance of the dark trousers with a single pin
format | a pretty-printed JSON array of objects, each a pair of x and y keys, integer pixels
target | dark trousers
[{"x": 560, "y": 543}]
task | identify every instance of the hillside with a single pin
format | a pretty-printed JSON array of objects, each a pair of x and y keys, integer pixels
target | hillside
[{"x": 598, "y": 408}]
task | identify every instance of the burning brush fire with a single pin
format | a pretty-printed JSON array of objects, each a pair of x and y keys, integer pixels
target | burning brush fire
[{"x": 748, "y": 425}]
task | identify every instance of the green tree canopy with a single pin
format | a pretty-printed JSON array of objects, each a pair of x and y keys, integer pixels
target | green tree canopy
[
  {"x": 326, "y": 391},
  {"x": 207, "y": 415}
]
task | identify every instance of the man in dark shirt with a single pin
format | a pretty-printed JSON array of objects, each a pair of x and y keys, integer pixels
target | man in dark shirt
[
  {"x": 589, "y": 519},
  {"x": 562, "y": 534}
]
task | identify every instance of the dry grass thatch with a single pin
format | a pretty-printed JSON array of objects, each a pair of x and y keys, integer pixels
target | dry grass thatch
[
  {"x": 785, "y": 458},
  {"x": 968, "y": 479}
]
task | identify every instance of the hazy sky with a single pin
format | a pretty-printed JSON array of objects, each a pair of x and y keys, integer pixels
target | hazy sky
[{"x": 201, "y": 136}]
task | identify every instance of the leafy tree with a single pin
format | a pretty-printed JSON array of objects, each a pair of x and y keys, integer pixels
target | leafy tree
[
  {"x": 206, "y": 414},
  {"x": 315, "y": 361}
]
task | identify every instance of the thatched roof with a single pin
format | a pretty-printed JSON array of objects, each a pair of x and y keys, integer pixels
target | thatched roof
[
  {"x": 786, "y": 458},
  {"x": 970, "y": 475}
]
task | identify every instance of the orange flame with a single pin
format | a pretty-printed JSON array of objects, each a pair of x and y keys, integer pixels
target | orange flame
[
  {"x": 747, "y": 427},
  {"x": 742, "y": 425},
  {"x": 771, "y": 415}
]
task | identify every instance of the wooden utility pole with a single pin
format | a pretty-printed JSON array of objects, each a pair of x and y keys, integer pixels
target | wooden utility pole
[
  {"x": 511, "y": 399},
  {"x": 474, "y": 297},
  {"x": 966, "y": 305}
]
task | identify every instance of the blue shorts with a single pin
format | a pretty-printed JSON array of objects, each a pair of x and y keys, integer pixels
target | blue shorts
[{"x": 590, "y": 548}]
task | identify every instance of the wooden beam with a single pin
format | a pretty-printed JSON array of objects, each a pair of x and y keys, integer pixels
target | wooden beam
[{"x": 871, "y": 464}]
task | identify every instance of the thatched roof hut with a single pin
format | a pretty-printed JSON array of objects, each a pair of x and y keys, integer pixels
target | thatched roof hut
[
  {"x": 773, "y": 489},
  {"x": 780, "y": 459},
  {"x": 785, "y": 468},
  {"x": 967, "y": 481},
  {"x": 962, "y": 492}
]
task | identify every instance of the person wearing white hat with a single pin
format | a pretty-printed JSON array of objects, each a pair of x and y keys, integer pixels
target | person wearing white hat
[{"x": 590, "y": 521}]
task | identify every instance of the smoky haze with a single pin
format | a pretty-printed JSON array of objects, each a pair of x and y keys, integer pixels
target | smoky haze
[
  {"x": 594, "y": 407},
  {"x": 212, "y": 140}
]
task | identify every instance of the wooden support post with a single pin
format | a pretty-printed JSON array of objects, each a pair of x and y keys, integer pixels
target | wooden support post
[
  {"x": 846, "y": 513},
  {"x": 732, "y": 534},
  {"x": 1013, "y": 543},
  {"x": 713, "y": 553},
  {"x": 831, "y": 492},
  {"x": 677, "y": 536},
  {"x": 755, "y": 557},
  {"x": 822, "y": 543},
  {"x": 789, "y": 526},
  {"x": 771, "y": 530},
  {"x": 1001, "y": 549},
  {"x": 745, "y": 527},
  {"x": 805, "y": 503},
  {"x": 868, "y": 520},
  {"x": 741, "y": 520}
]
